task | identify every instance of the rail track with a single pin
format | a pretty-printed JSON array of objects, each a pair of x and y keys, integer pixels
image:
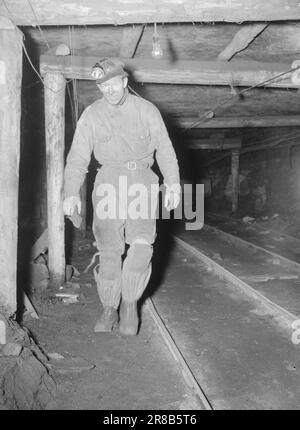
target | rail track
[
  {"x": 178, "y": 356},
  {"x": 280, "y": 314}
]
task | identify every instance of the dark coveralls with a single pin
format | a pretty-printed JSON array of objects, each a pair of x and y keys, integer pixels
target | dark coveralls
[{"x": 124, "y": 138}]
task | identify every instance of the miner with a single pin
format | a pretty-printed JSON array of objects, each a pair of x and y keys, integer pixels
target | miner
[{"x": 124, "y": 132}]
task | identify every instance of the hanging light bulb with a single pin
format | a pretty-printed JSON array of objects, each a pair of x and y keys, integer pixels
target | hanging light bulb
[{"x": 157, "y": 52}]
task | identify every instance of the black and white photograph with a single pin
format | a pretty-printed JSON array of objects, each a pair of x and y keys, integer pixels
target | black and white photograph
[{"x": 149, "y": 208}]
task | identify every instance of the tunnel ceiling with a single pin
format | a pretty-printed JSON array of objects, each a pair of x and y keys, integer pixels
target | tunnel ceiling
[{"x": 278, "y": 43}]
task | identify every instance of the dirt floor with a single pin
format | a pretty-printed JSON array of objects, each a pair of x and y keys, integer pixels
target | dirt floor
[{"x": 114, "y": 372}]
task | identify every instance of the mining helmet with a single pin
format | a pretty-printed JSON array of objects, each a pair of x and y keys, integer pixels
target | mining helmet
[{"x": 106, "y": 69}]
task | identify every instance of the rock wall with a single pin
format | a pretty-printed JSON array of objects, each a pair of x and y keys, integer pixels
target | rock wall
[{"x": 25, "y": 380}]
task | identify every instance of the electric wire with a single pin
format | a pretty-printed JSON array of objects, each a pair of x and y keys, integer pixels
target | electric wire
[
  {"x": 38, "y": 74},
  {"x": 251, "y": 147},
  {"x": 75, "y": 80},
  {"x": 204, "y": 117},
  {"x": 37, "y": 23},
  {"x": 26, "y": 52},
  {"x": 74, "y": 101},
  {"x": 31, "y": 64},
  {"x": 133, "y": 91},
  {"x": 68, "y": 89}
]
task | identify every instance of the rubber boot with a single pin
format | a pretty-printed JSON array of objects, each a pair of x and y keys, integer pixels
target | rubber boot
[
  {"x": 107, "y": 320},
  {"x": 129, "y": 320}
]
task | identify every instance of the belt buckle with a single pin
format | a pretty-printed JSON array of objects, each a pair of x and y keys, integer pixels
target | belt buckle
[{"x": 131, "y": 165}]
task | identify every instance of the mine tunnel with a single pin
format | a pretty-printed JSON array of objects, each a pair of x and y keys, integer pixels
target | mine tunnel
[{"x": 150, "y": 202}]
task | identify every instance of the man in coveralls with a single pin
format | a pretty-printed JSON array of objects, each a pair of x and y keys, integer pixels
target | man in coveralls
[{"x": 124, "y": 131}]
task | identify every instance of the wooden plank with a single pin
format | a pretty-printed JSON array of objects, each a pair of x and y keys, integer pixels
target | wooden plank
[
  {"x": 279, "y": 42},
  {"x": 280, "y": 313},
  {"x": 241, "y": 40},
  {"x": 189, "y": 102},
  {"x": 241, "y": 122},
  {"x": 130, "y": 40},
  {"x": 237, "y": 73},
  {"x": 91, "y": 12},
  {"x": 10, "y": 116},
  {"x": 55, "y": 86},
  {"x": 225, "y": 144}
]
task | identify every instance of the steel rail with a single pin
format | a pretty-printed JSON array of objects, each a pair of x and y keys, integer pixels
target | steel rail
[{"x": 178, "y": 356}]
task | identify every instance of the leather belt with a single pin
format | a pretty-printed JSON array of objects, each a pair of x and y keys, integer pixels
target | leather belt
[{"x": 130, "y": 165}]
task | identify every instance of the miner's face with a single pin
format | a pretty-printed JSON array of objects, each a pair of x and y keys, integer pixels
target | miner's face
[{"x": 113, "y": 89}]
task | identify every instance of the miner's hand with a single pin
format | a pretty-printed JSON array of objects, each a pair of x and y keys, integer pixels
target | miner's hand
[
  {"x": 172, "y": 196},
  {"x": 70, "y": 204}
]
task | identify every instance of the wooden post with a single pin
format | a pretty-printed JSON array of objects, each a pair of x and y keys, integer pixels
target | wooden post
[
  {"x": 10, "y": 116},
  {"x": 55, "y": 86},
  {"x": 235, "y": 161},
  {"x": 83, "y": 196}
]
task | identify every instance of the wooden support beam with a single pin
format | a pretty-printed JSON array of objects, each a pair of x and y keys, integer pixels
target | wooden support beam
[
  {"x": 227, "y": 143},
  {"x": 93, "y": 12},
  {"x": 188, "y": 72},
  {"x": 10, "y": 116},
  {"x": 241, "y": 40},
  {"x": 240, "y": 122},
  {"x": 235, "y": 161},
  {"x": 55, "y": 86},
  {"x": 130, "y": 40}
]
